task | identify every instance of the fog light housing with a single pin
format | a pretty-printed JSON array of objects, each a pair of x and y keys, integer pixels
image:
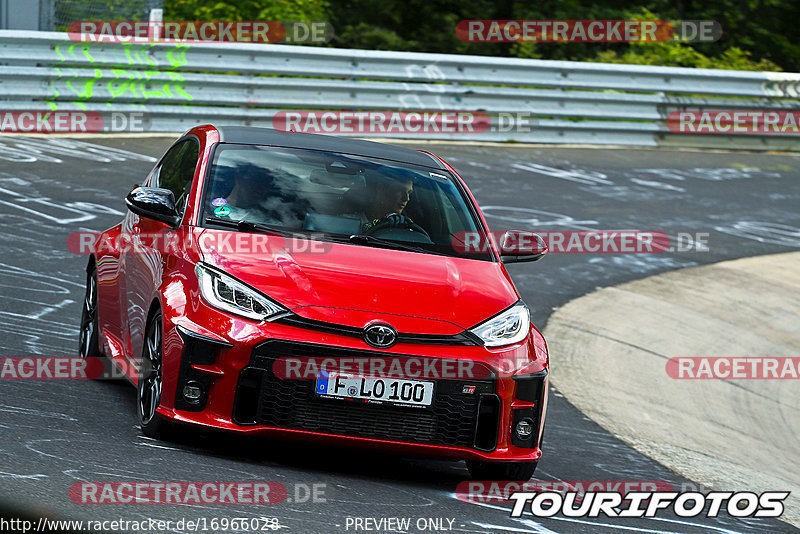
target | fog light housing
[
  {"x": 192, "y": 392},
  {"x": 524, "y": 429}
]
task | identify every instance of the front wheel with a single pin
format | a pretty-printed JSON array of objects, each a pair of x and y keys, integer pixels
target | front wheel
[
  {"x": 89, "y": 331},
  {"x": 517, "y": 471},
  {"x": 148, "y": 389}
]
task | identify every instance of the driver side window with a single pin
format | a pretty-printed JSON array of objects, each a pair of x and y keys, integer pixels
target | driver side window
[{"x": 176, "y": 171}]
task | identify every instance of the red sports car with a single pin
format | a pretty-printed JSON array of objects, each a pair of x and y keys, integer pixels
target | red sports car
[{"x": 320, "y": 288}]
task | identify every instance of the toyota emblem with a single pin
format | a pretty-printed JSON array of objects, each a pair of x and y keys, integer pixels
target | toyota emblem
[{"x": 381, "y": 336}]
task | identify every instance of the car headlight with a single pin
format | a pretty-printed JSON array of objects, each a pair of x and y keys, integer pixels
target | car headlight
[
  {"x": 229, "y": 294},
  {"x": 510, "y": 326}
]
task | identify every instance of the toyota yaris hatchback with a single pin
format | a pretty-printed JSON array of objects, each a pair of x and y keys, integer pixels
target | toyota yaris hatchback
[{"x": 312, "y": 287}]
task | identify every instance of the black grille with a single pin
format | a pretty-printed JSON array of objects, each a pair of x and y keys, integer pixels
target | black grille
[
  {"x": 450, "y": 420},
  {"x": 463, "y": 338}
]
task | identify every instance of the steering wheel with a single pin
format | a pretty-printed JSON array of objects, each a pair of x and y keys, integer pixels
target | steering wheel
[{"x": 394, "y": 220}]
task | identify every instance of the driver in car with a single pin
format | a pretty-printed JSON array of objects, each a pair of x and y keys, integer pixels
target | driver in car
[{"x": 391, "y": 196}]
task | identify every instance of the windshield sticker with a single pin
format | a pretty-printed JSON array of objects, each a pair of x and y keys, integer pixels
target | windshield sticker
[
  {"x": 219, "y": 202},
  {"x": 222, "y": 211}
]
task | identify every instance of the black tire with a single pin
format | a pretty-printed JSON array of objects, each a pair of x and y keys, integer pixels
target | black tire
[
  {"x": 88, "y": 337},
  {"x": 148, "y": 388},
  {"x": 516, "y": 471}
]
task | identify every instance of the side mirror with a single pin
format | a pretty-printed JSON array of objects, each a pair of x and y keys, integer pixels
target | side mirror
[
  {"x": 154, "y": 203},
  {"x": 518, "y": 246}
]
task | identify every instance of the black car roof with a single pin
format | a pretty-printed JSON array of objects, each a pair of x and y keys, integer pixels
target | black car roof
[{"x": 267, "y": 136}]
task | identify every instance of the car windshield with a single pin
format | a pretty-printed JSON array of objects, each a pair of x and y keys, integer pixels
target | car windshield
[{"x": 339, "y": 197}]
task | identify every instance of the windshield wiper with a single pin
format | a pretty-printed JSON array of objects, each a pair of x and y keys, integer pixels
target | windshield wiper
[
  {"x": 387, "y": 243},
  {"x": 247, "y": 226}
]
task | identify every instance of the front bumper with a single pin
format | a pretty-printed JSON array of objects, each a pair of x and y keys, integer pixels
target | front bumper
[{"x": 471, "y": 417}]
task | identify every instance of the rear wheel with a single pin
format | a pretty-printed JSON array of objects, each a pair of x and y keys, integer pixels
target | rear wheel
[
  {"x": 517, "y": 471},
  {"x": 148, "y": 389}
]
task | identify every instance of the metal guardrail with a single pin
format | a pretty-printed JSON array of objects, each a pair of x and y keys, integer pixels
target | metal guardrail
[{"x": 177, "y": 86}]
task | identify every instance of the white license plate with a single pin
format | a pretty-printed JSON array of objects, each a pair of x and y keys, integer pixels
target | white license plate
[{"x": 383, "y": 390}]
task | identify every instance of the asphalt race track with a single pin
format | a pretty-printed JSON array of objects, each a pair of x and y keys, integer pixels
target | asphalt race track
[{"x": 56, "y": 433}]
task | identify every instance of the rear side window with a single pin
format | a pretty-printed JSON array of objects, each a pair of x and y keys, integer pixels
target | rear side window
[{"x": 177, "y": 170}]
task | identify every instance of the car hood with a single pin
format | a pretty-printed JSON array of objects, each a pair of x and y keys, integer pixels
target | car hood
[{"x": 353, "y": 285}]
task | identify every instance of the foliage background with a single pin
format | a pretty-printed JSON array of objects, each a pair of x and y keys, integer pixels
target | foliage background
[{"x": 758, "y": 34}]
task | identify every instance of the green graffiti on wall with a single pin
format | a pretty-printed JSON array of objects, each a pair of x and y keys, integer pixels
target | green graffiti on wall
[{"x": 119, "y": 80}]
